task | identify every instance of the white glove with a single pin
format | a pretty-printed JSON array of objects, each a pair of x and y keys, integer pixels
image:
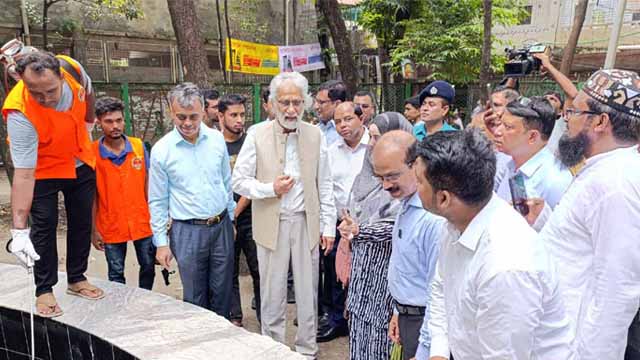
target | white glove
[{"x": 22, "y": 248}]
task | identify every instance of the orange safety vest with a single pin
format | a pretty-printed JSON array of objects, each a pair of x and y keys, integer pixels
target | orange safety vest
[
  {"x": 62, "y": 135},
  {"x": 122, "y": 211}
]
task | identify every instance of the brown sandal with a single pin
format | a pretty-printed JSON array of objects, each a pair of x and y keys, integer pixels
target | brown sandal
[
  {"x": 48, "y": 303},
  {"x": 84, "y": 286}
]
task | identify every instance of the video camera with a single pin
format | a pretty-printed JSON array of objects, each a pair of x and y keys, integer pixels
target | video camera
[{"x": 520, "y": 62}]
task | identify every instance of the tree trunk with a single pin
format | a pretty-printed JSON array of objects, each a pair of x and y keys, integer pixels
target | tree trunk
[
  {"x": 190, "y": 41},
  {"x": 231, "y": 53},
  {"x": 331, "y": 12},
  {"x": 220, "y": 42},
  {"x": 45, "y": 23},
  {"x": 485, "y": 63},
  {"x": 572, "y": 43}
]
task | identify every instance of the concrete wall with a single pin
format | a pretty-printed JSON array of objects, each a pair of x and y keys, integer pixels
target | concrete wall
[
  {"x": 551, "y": 22},
  {"x": 252, "y": 20}
]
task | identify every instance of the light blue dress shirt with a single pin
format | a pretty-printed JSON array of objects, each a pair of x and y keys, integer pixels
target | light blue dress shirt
[
  {"x": 329, "y": 131},
  {"x": 188, "y": 181},
  {"x": 415, "y": 246},
  {"x": 544, "y": 177}
]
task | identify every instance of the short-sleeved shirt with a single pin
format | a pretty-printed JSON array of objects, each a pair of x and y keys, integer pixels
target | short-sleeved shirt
[
  {"x": 420, "y": 131},
  {"x": 23, "y": 135}
]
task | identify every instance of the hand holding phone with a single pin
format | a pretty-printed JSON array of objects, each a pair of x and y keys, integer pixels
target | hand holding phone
[{"x": 519, "y": 194}]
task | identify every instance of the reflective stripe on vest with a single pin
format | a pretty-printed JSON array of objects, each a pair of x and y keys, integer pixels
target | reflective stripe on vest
[{"x": 122, "y": 211}]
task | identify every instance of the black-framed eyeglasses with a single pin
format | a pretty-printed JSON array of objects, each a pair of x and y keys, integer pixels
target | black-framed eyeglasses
[{"x": 573, "y": 112}]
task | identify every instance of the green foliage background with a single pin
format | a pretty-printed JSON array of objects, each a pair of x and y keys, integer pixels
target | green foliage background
[{"x": 443, "y": 35}]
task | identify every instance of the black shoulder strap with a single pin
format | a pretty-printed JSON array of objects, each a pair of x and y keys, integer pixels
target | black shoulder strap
[{"x": 71, "y": 70}]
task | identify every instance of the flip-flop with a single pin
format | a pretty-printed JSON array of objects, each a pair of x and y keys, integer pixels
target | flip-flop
[
  {"x": 86, "y": 287},
  {"x": 50, "y": 305}
]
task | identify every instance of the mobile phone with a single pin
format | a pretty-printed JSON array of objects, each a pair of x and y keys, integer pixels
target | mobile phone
[
  {"x": 519, "y": 194},
  {"x": 535, "y": 49}
]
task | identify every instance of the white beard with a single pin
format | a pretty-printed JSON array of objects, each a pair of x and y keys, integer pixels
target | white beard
[{"x": 287, "y": 124}]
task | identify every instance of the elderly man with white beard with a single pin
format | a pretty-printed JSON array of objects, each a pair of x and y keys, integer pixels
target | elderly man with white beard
[{"x": 283, "y": 168}]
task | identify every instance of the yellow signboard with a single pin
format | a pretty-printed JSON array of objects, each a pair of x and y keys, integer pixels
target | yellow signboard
[{"x": 252, "y": 58}]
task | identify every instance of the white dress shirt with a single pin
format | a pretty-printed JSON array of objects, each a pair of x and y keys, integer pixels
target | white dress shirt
[
  {"x": 544, "y": 177},
  {"x": 495, "y": 294},
  {"x": 594, "y": 237},
  {"x": 559, "y": 129},
  {"x": 346, "y": 163},
  {"x": 244, "y": 180},
  {"x": 502, "y": 169}
]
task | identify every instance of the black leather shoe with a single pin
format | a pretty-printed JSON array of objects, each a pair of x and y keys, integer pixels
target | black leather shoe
[
  {"x": 323, "y": 323},
  {"x": 332, "y": 333}
]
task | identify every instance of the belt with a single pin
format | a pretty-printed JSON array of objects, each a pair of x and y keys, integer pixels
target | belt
[
  {"x": 410, "y": 309},
  {"x": 214, "y": 220}
]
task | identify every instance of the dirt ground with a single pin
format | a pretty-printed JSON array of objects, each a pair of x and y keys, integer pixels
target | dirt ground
[{"x": 334, "y": 350}]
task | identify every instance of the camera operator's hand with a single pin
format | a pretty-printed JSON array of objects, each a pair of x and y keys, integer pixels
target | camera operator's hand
[
  {"x": 546, "y": 66},
  {"x": 544, "y": 58}
]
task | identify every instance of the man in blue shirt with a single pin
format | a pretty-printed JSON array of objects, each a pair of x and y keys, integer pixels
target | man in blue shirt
[
  {"x": 414, "y": 241},
  {"x": 330, "y": 94},
  {"x": 190, "y": 183},
  {"x": 435, "y": 100}
]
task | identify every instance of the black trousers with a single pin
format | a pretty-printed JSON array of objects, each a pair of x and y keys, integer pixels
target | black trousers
[
  {"x": 78, "y": 201},
  {"x": 409, "y": 326},
  {"x": 633, "y": 340},
  {"x": 245, "y": 243},
  {"x": 333, "y": 296}
]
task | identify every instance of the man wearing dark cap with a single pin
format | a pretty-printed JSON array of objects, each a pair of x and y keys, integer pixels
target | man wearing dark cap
[
  {"x": 435, "y": 101},
  {"x": 594, "y": 232}
]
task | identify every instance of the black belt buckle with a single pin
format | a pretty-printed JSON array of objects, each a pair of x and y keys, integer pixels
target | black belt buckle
[{"x": 214, "y": 220}]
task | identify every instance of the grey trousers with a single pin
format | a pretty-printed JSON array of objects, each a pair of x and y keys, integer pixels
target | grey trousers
[
  {"x": 293, "y": 244},
  {"x": 205, "y": 259}
]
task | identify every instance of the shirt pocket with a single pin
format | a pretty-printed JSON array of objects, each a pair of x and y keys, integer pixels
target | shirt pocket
[
  {"x": 410, "y": 258},
  {"x": 211, "y": 167}
]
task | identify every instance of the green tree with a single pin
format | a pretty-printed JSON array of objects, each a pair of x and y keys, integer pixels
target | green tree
[
  {"x": 447, "y": 37},
  {"x": 95, "y": 9},
  {"x": 386, "y": 19}
]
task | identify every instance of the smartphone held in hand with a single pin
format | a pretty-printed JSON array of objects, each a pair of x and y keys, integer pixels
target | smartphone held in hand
[{"x": 519, "y": 194}]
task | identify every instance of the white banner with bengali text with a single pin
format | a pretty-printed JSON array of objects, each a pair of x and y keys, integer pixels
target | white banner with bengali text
[{"x": 300, "y": 57}]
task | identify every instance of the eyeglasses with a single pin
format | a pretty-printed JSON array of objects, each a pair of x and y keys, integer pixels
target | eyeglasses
[
  {"x": 286, "y": 103},
  {"x": 573, "y": 112},
  {"x": 393, "y": 176}
]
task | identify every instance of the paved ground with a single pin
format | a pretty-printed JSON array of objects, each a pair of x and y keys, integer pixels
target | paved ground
[{"x": 337, "y": 349}]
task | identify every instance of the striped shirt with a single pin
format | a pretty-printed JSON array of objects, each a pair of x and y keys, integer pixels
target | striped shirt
[{"x": 368, "y": 297}]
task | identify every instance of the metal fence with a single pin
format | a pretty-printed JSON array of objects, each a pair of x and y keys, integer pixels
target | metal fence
[
  {"x": 147, "y": 116},
  {"x": 146, "y": 106}
]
